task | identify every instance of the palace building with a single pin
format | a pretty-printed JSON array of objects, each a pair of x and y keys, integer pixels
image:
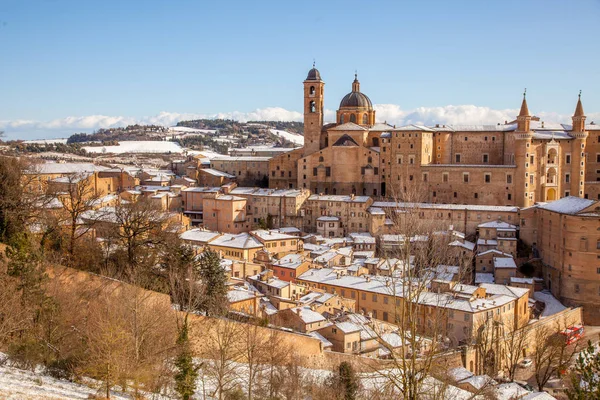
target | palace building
[{"x": 515, "y": 163}]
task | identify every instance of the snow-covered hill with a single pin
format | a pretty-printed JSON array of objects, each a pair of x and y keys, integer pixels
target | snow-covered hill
[
  {"x": 137, "y": 146},
  {"x": 292, "y": 137}
]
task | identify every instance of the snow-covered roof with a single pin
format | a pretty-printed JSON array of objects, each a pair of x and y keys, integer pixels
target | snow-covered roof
[
  {"x": 241, "y": 241},
  {"x": 484, "y": 277},
  {"x": 567, "y": 205},
  {"x": 510, "y": 391},
  {"x": 553, "y": 306},
  {"x": 222, "y": 158},
  {"x": 362, "y": 238},
  {"x": 479, "y": 381},
  {"x": 338, "y": 197},
  {"x": 497, "y": 225},
  {"x": 307, "y": 315},
  {"x": 317, "y": 335},
  {"x": 470, "y": 207},
  {"x": 203, "y": 189},
  {"x": 504, "y": 290},
  {"x": 267, "y": 235},
  {"x": 327, "y": 218},
  {"x": 466, "y": 244},
  {"x": 216, "y": 172},
  {"x": 199, "y": 235},
  {"x": 290, "y": 261},
  {"x": 526, "y": 281},
  {"x": 348, "y": 126},
  {"x": 460, "y": 373},
  {"x": 504, "y": 262},
  {"x": 348, "y": 327},
  {"x": 237, "y": 294},
  {"x": 65, "y": 168},
  {"x": 375, "y": 211},
  {"x": 494, "y": 251}
]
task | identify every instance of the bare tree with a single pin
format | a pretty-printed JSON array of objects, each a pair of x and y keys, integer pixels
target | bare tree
[
  {"x": 551, "y": 354},
  {"x": 420, "y": 312},
  {"x": 221, "y": 349},
  {"x": 255, "y": 349},
  {"x": 107, "y": 340},
  {"x": 78, "y": 196},
  {"x": 515, "y": 342},
  {"x": 140, "y": 228}
]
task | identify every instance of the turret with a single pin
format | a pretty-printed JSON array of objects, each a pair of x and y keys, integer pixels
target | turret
[
  {"x": 578, "y": 118},
  {"x": 524, "y": 119}
]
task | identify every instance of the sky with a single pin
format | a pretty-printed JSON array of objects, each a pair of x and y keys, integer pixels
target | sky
[{"x": 75, "y": 66}]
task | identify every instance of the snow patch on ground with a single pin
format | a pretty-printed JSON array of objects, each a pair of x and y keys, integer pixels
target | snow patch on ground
[
  {"x": 553, "y": 306},
  {"x": 18, "y": 384},
  {"x": 141, "y": 146},
  {"x": 292, "y": 137}
]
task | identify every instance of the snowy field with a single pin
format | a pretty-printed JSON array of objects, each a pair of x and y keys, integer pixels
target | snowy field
[
  {"x": 142, "y": 146},
  {"x": 46, "y": 141},
  {"x": 292, "y": 137},
  {"x": 185, "y": 129}
]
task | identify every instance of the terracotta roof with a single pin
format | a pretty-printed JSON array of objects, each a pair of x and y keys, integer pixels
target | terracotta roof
[
  {"x": 579, "y": 108},
  {"x": 524, "y": 109}
]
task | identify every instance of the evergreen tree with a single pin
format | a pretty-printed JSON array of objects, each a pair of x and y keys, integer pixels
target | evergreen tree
[
  {"x": 187, "y": 371},
  {"x": 344, "y": 382},
  {"x": 586, "y": 377},
  {"x": 214, "y": 280}
]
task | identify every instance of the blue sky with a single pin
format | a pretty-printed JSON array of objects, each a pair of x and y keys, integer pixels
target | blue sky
[{"x": 113, "y": 62}]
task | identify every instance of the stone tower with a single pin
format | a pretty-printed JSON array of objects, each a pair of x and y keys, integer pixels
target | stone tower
[
  {"x": 578, "y": 150},
  {"x": 313, "y": 111},
  {"x": 523, "y": 140}
]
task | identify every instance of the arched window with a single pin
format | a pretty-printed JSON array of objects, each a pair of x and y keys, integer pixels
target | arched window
[
  {"x": 321, "y": 159},
  {"x": 341, "y": 119},
  {"x": 312, "y": 91},
  {"x": 365, "y": 119},
  {"x": 369, "y": 160},
  {"x": 312, "y": 106},
  {"x": 352, "y": 118}
]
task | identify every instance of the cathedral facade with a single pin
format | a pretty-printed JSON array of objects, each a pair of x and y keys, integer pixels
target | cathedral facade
[{"x": 515, "y": 163}]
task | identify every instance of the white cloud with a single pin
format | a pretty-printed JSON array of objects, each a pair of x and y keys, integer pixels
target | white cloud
[{"x": 391, "y": 113}]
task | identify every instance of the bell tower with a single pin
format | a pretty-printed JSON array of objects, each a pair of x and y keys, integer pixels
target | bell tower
[{"x": 313, "y": 111}]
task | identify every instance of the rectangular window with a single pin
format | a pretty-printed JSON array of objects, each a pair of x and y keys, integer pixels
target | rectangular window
[
  {"x": 327, "y": 171},
  {"x": 488, "y": 178},
  {"x": 567, "y": 178},
  {"x": 425, "y": 177},
  {"x": 314, "y": 172},
  {"x": 508, "y": 179},
  {"x": 486, "y": 158},
  {"x": 457, "y": 158},
  {"x": 568, "y": 159},
  {"x": 465, "y": 177},
  {"x": 445, "y": 177}
]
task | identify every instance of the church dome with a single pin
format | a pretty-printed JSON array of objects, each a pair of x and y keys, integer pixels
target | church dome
[
  {"x": 313, "y": 75},
  {"x": 355, "y": 98}
]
